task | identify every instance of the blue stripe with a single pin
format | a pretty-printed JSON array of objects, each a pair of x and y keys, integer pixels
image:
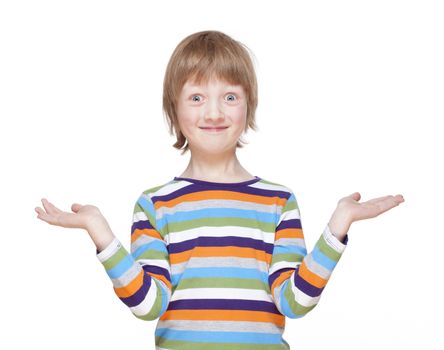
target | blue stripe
[
  {"x": 216, "y": 213},
  {"x": 165, "y": 300},
  {"x": 154, "y": 245},
  {"x": 285, "y": 305},
  {"x": 147, "y": 205},
  {"x": 289, "y": 249},
  {"x": 323, "y": 259},
  {"x": 219, "y": 337},
  {"x": 121, "y": 267}
]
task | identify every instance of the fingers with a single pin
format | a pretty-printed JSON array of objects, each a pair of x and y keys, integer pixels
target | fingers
[
  {"x": 50, "y": 216},
  {"x": 50, "y": 208},
  {"x": 387, "y": 203},
  {"x": 377, "y": 206},
  {"x": 356, "y": 196},
  {"x": 76, "y": 207},
  {"x": 378, "y": 199},
  {"x": 400, "y": 198},
  {"x": 42, "y": 215},
  {"x": 39, "y": 211}
]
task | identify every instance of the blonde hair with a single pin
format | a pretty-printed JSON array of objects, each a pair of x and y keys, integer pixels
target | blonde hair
[{"x": 200, "y": 57}]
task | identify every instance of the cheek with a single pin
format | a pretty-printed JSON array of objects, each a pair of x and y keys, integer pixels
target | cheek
[
  {"x": 241, "y": 116},
  {"x": 187, "y": 123},
  {"x": 185, "y": 116}
]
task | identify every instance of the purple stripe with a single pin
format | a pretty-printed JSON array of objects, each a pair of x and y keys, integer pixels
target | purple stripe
[
  {"x": 192, "y": 188},
  {"x": 138, "y": 297},
  {"x": 141, "y": 225},
  {"x": 276, "y": 274},
  {"x": 218, "y": 184},
  {"x": 157, "y": 270},
  {"x": 306, "y": 287},
  {"x": 223, "y": 304},
  {"x": 293, "y": 223},
  {"x": 220, "y": 242}
]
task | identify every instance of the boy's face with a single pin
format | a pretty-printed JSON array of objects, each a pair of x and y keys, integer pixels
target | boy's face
[{"x": 212, "y": 116}]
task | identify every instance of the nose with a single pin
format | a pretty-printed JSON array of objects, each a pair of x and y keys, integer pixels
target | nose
[{"x": 214, "y": 111}]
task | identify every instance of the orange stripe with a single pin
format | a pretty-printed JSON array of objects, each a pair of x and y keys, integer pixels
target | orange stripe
[
  {"x": 220, "y": 194},
  {"x": 224, "y": 315},
  {"x": 311, "y": 277},
  {"x": 289, "y": 233},
  {"x": 162, "y": 278},
  {"x": 281, "y": 279},
  {"x": 230, "y": 251},
  {"x": 146, "y": 231},
  {"x": 131, "y": 288}
]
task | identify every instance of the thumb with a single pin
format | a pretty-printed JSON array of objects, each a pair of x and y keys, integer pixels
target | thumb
[
  {"x": 356, "y": 196},
  {"x": 76, "y": 207}
]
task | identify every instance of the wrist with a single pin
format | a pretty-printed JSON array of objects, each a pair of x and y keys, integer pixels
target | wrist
[
  {"x": 100, "y": 232},
  {"x": 339, "y": 224}
]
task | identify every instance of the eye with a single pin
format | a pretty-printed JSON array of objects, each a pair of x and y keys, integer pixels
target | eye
[
  {"x": 233, "y": 96},
  {"x": 193, "y": 98}
]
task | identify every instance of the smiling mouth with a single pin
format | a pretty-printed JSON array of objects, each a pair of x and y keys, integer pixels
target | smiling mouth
[{"x": 215, "y": 128}]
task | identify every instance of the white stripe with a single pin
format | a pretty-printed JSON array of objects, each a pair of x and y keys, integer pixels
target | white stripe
[
  {"x": 139, "y": 216},
  {"x": 221, "y": 293},
  {"x": 283, "y": 265},
  {"x": 169, "y": 188},
  {"x": 220, "y": 261},
  {"x": 276, "y": 187},
  {"x": 213, "y": 231},
  {"x": 333, "y": 241},
  {"x": 301, "y": 297},
  {"x": 109, "y": 250},
  {"x": 147, "y": 304},
  {"x": 155, "y": 262},
  {"x": 290, "y": 214}
]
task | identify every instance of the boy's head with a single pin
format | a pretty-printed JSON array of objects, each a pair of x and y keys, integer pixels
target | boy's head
[{"x": 199, "y": 58}]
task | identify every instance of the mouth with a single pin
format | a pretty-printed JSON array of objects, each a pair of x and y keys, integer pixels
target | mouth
[{"x": 215, "y": 129}]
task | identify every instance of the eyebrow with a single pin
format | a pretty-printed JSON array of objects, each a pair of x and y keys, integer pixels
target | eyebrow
[{"x": 228, "y": 86}]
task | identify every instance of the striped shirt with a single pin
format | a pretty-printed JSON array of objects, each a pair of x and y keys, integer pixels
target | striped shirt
[{"x": 219, "y": 264}]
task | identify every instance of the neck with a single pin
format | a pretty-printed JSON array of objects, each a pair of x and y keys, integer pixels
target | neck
[{"x": 222, "y": 167}]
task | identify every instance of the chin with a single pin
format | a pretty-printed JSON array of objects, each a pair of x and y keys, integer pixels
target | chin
[{"x": 216, "y": 149}]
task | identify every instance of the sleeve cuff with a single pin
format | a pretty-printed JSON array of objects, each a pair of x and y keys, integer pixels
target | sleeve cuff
[
  {"x": 333, "y": 241},
  {"x": 109, "y": 250}
]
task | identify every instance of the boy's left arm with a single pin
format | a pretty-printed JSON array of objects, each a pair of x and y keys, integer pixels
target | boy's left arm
[{"x": 297, "y": 279}]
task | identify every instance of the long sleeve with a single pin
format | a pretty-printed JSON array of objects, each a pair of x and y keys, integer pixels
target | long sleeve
[
  {"x": 296, "y": 278},
  {"x": 142, "y": 279}
]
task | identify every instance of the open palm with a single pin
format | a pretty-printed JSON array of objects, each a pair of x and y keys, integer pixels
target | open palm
[
  {"x": 369, "y": 209},
  {"x": 83, "y": 215}
]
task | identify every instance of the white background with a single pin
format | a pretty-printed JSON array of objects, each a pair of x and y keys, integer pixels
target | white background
[{"x": 350, "y": 99}]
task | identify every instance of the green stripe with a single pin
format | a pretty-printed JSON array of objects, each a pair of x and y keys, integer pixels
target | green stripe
[
  {"x": 189, "y": 345},
  {"x": 214, "y": 282},
  {"x": 153, "y": 254},
  {"x": 292, "y": 257},
  {"x": 116, "y": 258},
  {"x": 297, "y": 308},
  {"x": 290, "y": 205},
  {"x": 327, "y": 250},
  {"x": 155, "y": 310}
]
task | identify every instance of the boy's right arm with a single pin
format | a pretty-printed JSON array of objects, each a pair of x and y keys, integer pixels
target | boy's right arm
[{"x": 142, "y": 279}]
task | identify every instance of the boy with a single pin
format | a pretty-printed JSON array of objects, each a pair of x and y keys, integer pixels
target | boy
[{"x": 217, "y": 254}]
